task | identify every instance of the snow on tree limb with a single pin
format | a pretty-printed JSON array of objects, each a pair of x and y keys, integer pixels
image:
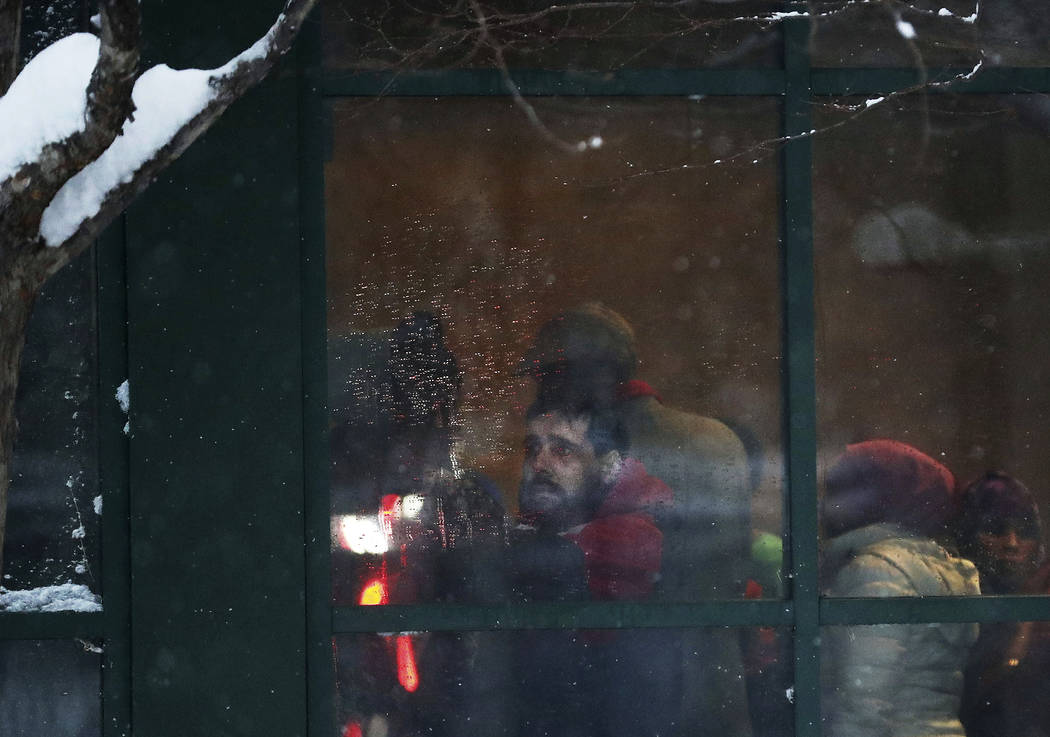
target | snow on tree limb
[
  {"x": 107, "y": 103},
  {"x": 172, "y": 109}
]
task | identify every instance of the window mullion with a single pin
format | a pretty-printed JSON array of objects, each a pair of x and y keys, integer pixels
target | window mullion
[
  {"x": 112, "y": 332},
  {"x": 800, "y": 371}
]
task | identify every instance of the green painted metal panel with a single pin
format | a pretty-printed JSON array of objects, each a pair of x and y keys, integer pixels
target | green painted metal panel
[
  {"x": 953, "y": 81},
  {"x": 110, "y": 257},
  {"x": 800, "y": 382},
  {"x": 530, "y": 82},
  {"x": 590, "y": 615},
  {"x": 935, "y": 609},
  {"x": 218, "y": 568},
  {"x": 50, "y": 625},
  {"x": 314, "y": 132}
]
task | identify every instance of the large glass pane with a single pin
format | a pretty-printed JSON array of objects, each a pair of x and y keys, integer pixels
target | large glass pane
[
  {"x": 959, "y": 33},
  {"x": 475, "y": 266},
  {"x": 582, "y": 683},
  {"x": 983, "y": 680},
  {"x": 50, "y": 687},
  {"x": 931, "y": 240},
  {"x": 521, "y": 34},
  {"x": 54, "y": 505}
]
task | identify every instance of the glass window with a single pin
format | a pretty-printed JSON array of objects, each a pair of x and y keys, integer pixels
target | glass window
[
  {"x": 952, "y": 33},
  {"x": 474, "y": 267},
  {"x": 563, "y": 37},
  {"x": 930, "y": 242},
  {"x": 50, "y": 687},
  {"x": 54, "y": 502},
  {"x": 569, "y": 682},
  {"x": 879, "y": 677}
]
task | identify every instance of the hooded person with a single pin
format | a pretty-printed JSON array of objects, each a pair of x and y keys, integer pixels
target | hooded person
[
  {"x": 1007, "y": 674},
  {"x": 884, "y": 506},
  {"x": 999, "y": 529},
  {"x": 588, "y": 354}
]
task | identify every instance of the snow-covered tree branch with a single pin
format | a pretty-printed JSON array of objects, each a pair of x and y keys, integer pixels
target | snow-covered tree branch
[{"x": 84, "y": 134}]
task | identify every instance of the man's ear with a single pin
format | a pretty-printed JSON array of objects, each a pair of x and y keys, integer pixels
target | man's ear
[{"x": 609, "y": 466}]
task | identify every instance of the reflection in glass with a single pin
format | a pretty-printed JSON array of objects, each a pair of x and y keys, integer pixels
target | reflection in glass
[
  {"x": 474, "y": 267},
  {"x": 948, "y": 33},
  {"x": 1006, "y": 680},
  {"x": 50, "y": 687},
  {"x": 54, "y": 503},
  {"x": 403, "y": 35},
  {"x": 566, "y": 682},
  {"x": 931, "y": 252},
  {"x": 894, "y": 678}
]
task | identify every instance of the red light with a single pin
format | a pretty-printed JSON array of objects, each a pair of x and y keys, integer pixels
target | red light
[
  {"x": 374, "y": 593},
  {"x": 407, "y": 674},
  {"x": 353, "y": 729}
]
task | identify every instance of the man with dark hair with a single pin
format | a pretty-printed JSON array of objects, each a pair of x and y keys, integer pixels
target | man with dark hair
[
  {"x": 588, "y": 512},
  {"x": 587, "y": 356},
  {"x": 578, "y": 483}
]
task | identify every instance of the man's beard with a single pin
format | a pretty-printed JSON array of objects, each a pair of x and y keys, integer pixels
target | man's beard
[{"x": 544, "y": 502}]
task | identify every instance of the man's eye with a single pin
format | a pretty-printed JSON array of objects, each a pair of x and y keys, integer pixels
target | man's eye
[
  {"x": 561, "y": 451},
  {"x": 530, "y": 449}
]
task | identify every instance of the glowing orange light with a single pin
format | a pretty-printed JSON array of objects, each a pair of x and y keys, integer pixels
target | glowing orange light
[
  {"x": 374, "y": 593},
  {"x": 407, "y": 674}
]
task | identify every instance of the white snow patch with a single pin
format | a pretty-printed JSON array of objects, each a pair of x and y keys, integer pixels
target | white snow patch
[
  {"x": 46, "y": 103},
  {"x": 165, "y": 99},
  {"x": 79, "y": 533},
  {"x": 873, "y": 101},
  {"x": 127, "y": 427},
  {"x": 97, "y": 501},
  {"x": 944, "y": 12},
  {"x": 905, "y": 28},
  {"x": 67, "y": 597},
  {"x": 123, "y": 396}
]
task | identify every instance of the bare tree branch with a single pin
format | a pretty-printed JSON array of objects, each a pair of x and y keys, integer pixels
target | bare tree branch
[
  {"x": 26, "y": 260},
  {"x": 10, "y": 41},
  {"x": 27, "y": 192},
  {"x": 232, "y": 81}
]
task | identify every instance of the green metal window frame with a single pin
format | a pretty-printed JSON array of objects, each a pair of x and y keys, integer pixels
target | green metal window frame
[
  {"x": 154, "y": 335},
  {"x": 804, "y": 610}
]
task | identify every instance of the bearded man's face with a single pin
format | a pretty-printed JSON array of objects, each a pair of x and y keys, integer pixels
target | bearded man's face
[{"x": 561, "y": 474}]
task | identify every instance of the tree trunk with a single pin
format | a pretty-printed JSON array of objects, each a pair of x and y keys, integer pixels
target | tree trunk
[
  {"x": 10, "y": 37},
  {"x": 16, "y": 303}
]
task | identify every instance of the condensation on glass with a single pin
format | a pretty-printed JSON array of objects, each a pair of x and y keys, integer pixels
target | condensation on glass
[
  {"x": 931, "y": 240},
  {"x": 935, "y": 678},
  {"x": 382, "y": 35},
  {"x": 564, "y": 682},
  {"x": 456, "y": 229},
  {"x": 54, "y": 504},
  {"x": 947, "y": 33},
  {"x": 50, "y": 687}
]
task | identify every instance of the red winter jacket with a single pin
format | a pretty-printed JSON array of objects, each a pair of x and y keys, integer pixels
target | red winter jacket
[{"x": 622, "y": 546}]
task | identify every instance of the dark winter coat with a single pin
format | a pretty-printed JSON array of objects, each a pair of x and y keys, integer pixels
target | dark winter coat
[{"x": 602, "y": 683}]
